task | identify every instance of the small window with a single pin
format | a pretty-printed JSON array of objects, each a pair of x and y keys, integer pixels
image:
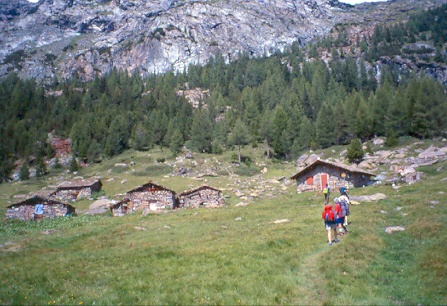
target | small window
[{"x": 309, "y": 180}]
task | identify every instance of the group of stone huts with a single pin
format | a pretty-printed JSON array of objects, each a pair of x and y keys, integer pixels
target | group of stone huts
[
  {"x": 145, "y": 198},
  {"x": 153, "y": 197}
]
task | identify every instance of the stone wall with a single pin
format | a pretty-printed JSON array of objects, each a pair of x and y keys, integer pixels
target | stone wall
[
  {"x": 205, "y": 197},
  {"x": 66, "y": 195},
  {"x": 151, "y": 200},
  {"x": 26, "y": 212}
]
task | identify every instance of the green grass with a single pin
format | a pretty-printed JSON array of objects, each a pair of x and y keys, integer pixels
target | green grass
[{"x": 231, "y": 255}]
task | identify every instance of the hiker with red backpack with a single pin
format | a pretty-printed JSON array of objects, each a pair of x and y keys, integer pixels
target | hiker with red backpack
[{"x": 328, "y": 216}]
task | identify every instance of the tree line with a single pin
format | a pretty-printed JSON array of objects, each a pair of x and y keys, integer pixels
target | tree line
[{"x": 289, "y": 102}]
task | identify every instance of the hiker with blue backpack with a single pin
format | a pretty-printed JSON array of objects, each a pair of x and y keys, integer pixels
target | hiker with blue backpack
[
  {"x": 330, "y": 224},
  {"x": 344, "y": 203},
  {"x": 340, "y": 212}
]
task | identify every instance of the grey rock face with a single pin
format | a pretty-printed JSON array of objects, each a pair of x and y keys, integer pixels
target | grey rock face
[{"x": 88, "y": 37}]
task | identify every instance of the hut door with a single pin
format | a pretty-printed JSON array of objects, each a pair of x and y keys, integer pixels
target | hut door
[{"x": 324, "y": 180}]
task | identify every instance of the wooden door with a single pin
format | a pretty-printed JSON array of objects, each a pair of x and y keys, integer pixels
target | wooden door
[{"x": 324, "y": 180}]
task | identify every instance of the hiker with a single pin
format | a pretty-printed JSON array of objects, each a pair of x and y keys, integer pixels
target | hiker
[
  {"x": 340, "y": 214},
  {"x": 344, "y": 203},
  {"x": 38, "y": 212},
  {"x": 326, "y": 192},
  {"x": 328, "y": 216},
  {"x": 344, "y": 191}
]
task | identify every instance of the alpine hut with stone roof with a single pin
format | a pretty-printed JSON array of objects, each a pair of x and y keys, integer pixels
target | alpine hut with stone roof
[
  {"x": 202, "y": 196},
  {"x": 145, "y": 198},
  {"x": 77, "y": 189},
  {"x": 52, "y": 208},
  {"x": 321, "y": 172}
]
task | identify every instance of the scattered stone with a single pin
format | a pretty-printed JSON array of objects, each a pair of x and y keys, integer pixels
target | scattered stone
[
  {"x": 122, "y": 165},
  {"x": 240, "y": 204},
  {"x": 398, "y": 208},
  {"x": 140, "y": 228},
  {"x": 238, "y": 219},
  {"x": 49, "y": 232},
  {"x": 280, "y": 221},
  {"x": 434, "y": 202},
  {"x": 383, "y": 212},
  {"x": 124, "y": 181},
  {"x": 392, "y": 229},
  {"x": 368, "y": 198},
  {"x": 166, "y": 227},
  {"x": 378, "y": 141}
]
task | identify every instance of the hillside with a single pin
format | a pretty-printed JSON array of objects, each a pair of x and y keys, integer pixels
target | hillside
[
  {"x": 272, "y": 250},
  {"x": 83, "y": 39}
]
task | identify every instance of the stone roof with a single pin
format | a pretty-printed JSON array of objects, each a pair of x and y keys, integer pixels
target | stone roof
[
  {"x": 143, "y": 187},
  {"x": 35, "y": 199},
  {"x": 78, "y": 183},
  {"x": 349, "y": 168},
  {"x": 188, "y": 192}
]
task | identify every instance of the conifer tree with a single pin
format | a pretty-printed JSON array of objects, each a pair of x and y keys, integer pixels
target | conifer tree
[
  {"x": 176, "y": 142},
  {"x": 201, "y": 131},
  {"x": 325, "y": 127},
  {"x": 355, "y": 152},
  {"x": 74, "y": 167},
  {"x": 41, "y": 167},
  {"x": 239, "y": 136},
  {"x": 24, "y": 171}
]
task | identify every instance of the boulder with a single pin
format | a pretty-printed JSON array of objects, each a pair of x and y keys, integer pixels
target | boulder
[{"x": 392, "y": 229}]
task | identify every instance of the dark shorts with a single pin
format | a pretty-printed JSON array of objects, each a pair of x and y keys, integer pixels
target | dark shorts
[
  {"x": 339, "y": 220},
  {"x": 330, "y": 225}
]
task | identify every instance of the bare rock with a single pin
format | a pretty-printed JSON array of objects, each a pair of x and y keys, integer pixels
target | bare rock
[
  {"x": 368, "y": 198},
  {"x": 392, "y": 229},
  {"x": 280, "y": 221}
]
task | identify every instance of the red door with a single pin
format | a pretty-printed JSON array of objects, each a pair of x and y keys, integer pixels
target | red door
[{"x": 324, "y": 180}]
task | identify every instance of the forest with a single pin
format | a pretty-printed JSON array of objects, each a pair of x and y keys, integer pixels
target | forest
[{"x": 289, "y": 102}]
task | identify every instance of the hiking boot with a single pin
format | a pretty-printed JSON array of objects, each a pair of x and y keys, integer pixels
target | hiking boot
[
  {"x": 330, "y": 243},
  {"x": 336, "y": 240}
]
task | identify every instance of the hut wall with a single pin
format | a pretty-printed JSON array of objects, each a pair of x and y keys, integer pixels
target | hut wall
[
  {"x": 202, "y": 197},
  {"x": 26, "y": 211},
  {"x": 151, "y": 200},
  {"x": 73, "y": 194},
  {"x": 119, "y": 210}
]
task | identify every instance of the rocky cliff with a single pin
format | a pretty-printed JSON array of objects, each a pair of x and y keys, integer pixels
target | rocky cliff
[{"x": 64, "y": 38}]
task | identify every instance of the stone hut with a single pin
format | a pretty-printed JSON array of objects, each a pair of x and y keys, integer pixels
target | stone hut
[
  {"x": 202, "y": 196},
  {"x": 77, "y": 189},
  {"x": 24, "y": 210},
  {"x": 316, "y": 175},
  {"x": 148, "y": 197}
]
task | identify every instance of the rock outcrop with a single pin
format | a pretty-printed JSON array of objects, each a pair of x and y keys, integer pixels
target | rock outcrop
[{"x": 84, "y": 38}]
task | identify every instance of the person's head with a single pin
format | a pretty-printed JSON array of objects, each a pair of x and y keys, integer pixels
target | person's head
[{"x": 336, "y": 200}]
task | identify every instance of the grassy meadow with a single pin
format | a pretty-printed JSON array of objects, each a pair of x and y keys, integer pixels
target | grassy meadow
[{"x": 229, "y": 255}]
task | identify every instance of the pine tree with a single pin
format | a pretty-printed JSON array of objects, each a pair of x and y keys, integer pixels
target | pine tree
[
  {"x": 239, "y": 136},
  {"x": 24, "y": 171},
  {"x": 41, "y": 167},
  {"x": 266, "y": 131},
  {"x": 74, "y": 167},
  {"x": 279, "y": 124},
  {"x": 325, "y": 127},
  {"x": 201, "y": 131},
  {"x": 176, "y": 142},
  {"x": 355, "y": 152}
]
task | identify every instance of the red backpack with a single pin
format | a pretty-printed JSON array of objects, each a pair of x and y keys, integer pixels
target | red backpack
[{"x": 328, "y": 214}]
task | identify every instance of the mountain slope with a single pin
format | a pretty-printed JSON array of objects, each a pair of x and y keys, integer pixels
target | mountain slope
[{"x": 85, "y": 38}]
